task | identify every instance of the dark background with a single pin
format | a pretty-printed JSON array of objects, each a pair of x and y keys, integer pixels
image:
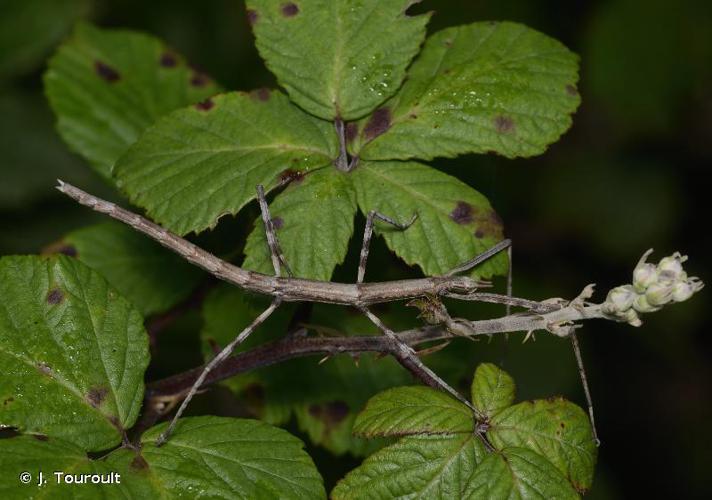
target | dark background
[{"x": 629, "y": 175}]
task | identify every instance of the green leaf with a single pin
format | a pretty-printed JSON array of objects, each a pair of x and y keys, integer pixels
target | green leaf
[
  {"x": 211, "y": 457},
  {"x": 337, "y": 58},
  {"x": 203, "y": 162},
  {"x": 72, "y": 352},
  {"x": 492, "y": 389},
  {"x": 313, "y": 220},
  {"x": 485, "y": 87},
  {"x": 555, "y": 428},
  {"x": 415, "y": 467},
  {"x": 413, "y": 410},
  {"x": 107, "y": 86},
  {"x": 517, "y": 473},
  {"x": 221, "y": 457},
  {"x": 454, "y": 223},
  {"x": 34, "y": 453},
  {"x": 30, "y": 28},
  {"x": 151, "y": 277}
]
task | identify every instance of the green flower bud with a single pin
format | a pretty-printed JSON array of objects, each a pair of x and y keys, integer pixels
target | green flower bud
[
  {"x": 659, "y": 294},
  {"x": 620, "y": 299},
  {"x": 642, "y": 305}
]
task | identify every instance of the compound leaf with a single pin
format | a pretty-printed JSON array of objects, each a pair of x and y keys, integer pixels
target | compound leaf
[
  {"x": 454, "y": 223},
  {"x": 107, "y": 86},
  {"x": 202, "y": 162},
  {"x": 554, "y": 428},
  {"x": 485, "y": 87},
  {"x": 337, "y": 58},
  {"x": 517, "y": 473},
  {"x": 151, "y": 277},
  {"x": 415, "y": 467},
  {"x": 413, "y": 410},
  {"x": 314, "y": 220},
  {"x": 220, "y": 457},
  {"x": 492, "y": 389},
  {"x": 72, "y": 352}
]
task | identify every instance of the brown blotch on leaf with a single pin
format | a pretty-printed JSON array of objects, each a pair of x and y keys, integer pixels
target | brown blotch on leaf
[
  {"x": 96, "y": 395},
  {"x": 55, "y": 296},
  {"x": 503, "y": 124},
  {"x": 336, "y": 411},
  {"x": 571, "y": 90},
  {"x": 106, "y": 72},
  {"x": 479, "y": 233},
  {"x": 252, "y": 17},
  {"x": 199, "y": 80},
  {"x": 262, "y": 94},
  {"x": 350, "y": 131},
  {"x": 290, "y": 9},
  {"x": 379, "y": 122},
  {"x": 277, "y": 222},
  {"x": 139, "y": 463},
  {"x": 290, "y": 175},
  {"x": 8, "y": 401},
  {"x": 448, "y": 43},
  {"x": 488, "y": 224},
  {"x": 205, "y": 105},
  {"x": 60, "y": 247},
  {"x": 462, "y": 213},
  {"x": 40, "y": 437},
  {"x": 168, "y": 60}
]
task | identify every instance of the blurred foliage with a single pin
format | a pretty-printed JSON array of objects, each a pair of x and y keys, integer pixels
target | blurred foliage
[{"x": 629, "y": 175}]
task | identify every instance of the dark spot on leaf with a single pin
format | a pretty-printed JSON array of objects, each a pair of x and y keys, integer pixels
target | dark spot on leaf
[
  {"x": 205, "y": 105},
  {"x": 252, "y": 17},
  {"x": 262, "y": 94},
  {"x": 277, "y": 222},
  {"x": 562, "y": 425},
  {"x": 290, "y": 175},
  {"x": 199, "y": 80},
  {"x": 315, "y": 411},
  {"x": 55, "y": 296},
  {"x": 413, "y": 116},
  {"x": 336, "y": 411},
  {"x": 139, "y": 463},
  {"x": 379, "y": 122},
  {"x": 168, "y": 60},
  {"x": 68, "y": 250},
  {"x": 503, "y": 124},
  {"x": 96, "y": 395},
  {"x": 462, "y": 213},
  {"x": 44, "y": 368},
  {"x": 448, "y": 43},
  {"x": 8, "y": 401},
  {"x": 447, "y": 71},
  {"x": 350, "y": 131},
  {"x": 571, "y": 90},
  {"x": 479, "y": 233},
  {"x": 437, "y": 125},
  {"x": 40, "y": 437},
  {"x": 106, "y": 72},
  {"x": 290, "y": 9}
]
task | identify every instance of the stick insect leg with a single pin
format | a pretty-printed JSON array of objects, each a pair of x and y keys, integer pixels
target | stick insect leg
[
  {"x": 478, "y": 259},
  {"x": 368, "y": 233},
  {"x": 584, "y": 382},
  {"x": 222, "y": 356},
  {"x": 510, "y": 278},
  {"x": 278, "y": 260}
]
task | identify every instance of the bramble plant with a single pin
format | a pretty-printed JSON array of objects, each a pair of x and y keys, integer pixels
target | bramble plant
[{"x": 363, "y": 103}]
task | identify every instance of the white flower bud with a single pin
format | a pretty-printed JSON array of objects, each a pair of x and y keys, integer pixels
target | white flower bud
[
  {"x": 659, "y": 294},
  {"x": 672, "y": 264},
  {"x": 620, "y": 299},
  {"x": 685, "y": 289},
  {"x": 642, "y": 305},
  {"x": 631, "y": 317},
  {"x": 644, "y": 275}
]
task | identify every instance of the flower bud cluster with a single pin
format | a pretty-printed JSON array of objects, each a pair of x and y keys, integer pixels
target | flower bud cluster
[{"x": 653, "y": 287}]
